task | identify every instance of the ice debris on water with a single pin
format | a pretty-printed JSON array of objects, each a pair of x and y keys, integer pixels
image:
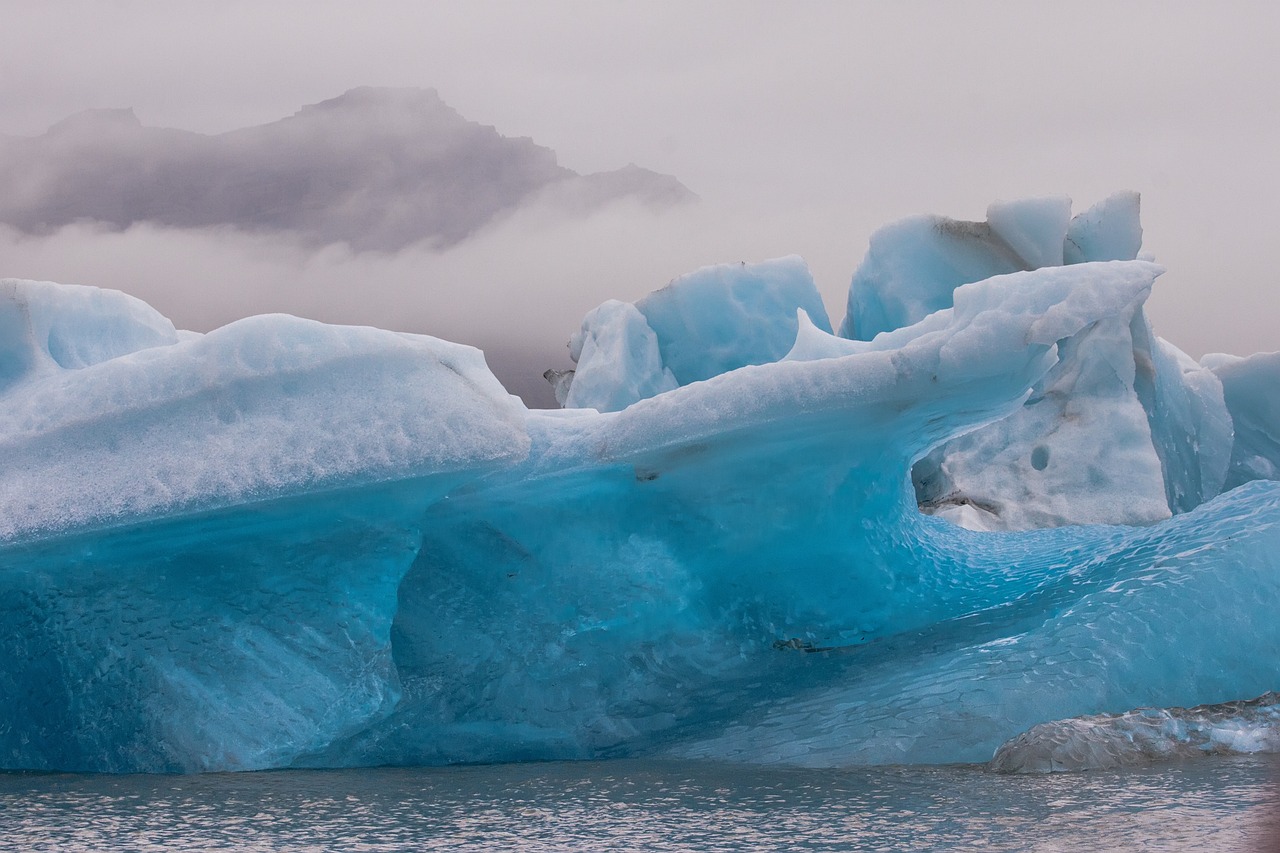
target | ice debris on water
[
  {"x": 285, "y": 543},
  {"x": 1104, "y": 741}
]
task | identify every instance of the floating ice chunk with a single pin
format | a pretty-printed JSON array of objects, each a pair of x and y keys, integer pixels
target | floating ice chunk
[
  {"x": 262, "y": 408},
  {"x": 1102, "y": 741},
  {"x": 1111, "y": 230},
  {"x": 723, "y": 317},
  {"x": 286, "y": 544},
  {"x": 617, "y": 358},
  {"x": 1251, "y": 389},
  {"x": 46, "y": 326},
  {"x": 1033, "y": 228}
]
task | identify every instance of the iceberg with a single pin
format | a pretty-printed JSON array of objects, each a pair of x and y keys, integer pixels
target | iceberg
[
  {"x": 45, "y": 327},
  {"x": 289, "y": 544},
  {"x": 618, "y": 361},
  {"x": 1124, "y": 429},
  {"x": 1249, "y": 390},
  {"x": 705, "y": 323}
]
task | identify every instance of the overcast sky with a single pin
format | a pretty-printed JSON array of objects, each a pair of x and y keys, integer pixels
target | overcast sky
[{"x": 802, "y": 126}]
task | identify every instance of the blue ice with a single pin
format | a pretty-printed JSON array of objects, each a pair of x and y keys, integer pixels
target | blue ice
[{"x": 285, "y": 543}]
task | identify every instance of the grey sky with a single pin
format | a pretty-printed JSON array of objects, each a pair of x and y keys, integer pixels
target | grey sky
[{"x": 802, "y": 127}]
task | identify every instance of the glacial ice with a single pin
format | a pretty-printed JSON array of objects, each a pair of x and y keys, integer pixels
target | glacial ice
[
  {"x": 1249, "y": 387},
  {"x": 265, "y": 407},
  {"x": 1111, "y": 230},
  {"x": 46, "y": 326},
  {"x": 618, "y": 360},
  {"x": 1103, "y": 741},
  {"x": 705, "y": 323},
  {"x": 1125, "y": 429},
  {"x": 912, "y": 267},
  {"x": 1079, "y": 450},
  {"x": 290, "y": 544}
]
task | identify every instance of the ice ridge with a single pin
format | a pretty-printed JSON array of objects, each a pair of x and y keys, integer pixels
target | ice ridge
[{"x": 285, "y": 543}]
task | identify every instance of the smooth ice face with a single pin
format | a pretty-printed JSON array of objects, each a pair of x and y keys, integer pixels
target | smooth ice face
[
  {"x": 1191, "y": 429},
  {"x": 233, "y": 640},
  {"x": 723, "y": 317},
  {"x": 618, "y": 360},
  {"x": 45, "y": 327},
  {"x": 1111, "y": 230},
  {"x": 912, "y": 267},
  {"x": 705, "y": 323},
  {"x": 1033, "y": 228},
  {"x": 1251, "y": 389},
  {"x": 1094, "y": 619}
]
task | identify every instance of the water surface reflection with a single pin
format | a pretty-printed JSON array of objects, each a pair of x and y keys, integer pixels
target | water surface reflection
[{"x": 1212, "y": 804}]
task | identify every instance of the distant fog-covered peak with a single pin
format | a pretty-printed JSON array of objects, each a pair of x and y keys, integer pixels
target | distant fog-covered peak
[
  {"x": 376, "y": 168},
  {"x": 381, "y": 98},
  {"x": 97, "y": 120}
]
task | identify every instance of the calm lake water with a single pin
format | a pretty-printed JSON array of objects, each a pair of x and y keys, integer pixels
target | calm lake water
[{"x": 1213, "y": 804}]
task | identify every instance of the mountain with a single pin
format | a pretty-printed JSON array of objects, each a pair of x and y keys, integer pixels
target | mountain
[{"x": 377, "y": 168}]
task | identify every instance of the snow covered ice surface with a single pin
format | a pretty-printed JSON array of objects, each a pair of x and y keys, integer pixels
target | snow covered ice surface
[{"x": 290, "y": 544}]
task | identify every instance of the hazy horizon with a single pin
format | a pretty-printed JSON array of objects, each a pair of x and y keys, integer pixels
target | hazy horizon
[{"x": 802, "y": 130}]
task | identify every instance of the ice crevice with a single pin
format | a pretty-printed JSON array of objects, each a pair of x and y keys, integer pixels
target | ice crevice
[{"x": 996, "y": 499}]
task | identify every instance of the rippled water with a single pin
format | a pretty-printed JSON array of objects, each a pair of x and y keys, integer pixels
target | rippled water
[{"x": 1211, "y": 804}]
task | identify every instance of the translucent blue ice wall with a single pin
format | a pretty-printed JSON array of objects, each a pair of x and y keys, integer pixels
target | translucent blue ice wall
[{"x": 288, "y": 544}]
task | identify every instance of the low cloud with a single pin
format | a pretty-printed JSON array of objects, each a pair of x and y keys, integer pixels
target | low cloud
[
  {"x": 377, "y": 169},
  {"x": 517, "y": 288}
]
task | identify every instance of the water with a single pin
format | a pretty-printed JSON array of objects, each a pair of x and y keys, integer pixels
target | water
[{"x": 1223, "y": 804}]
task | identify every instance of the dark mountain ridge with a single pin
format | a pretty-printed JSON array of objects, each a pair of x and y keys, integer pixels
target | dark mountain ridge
[{"x": 376, "y": 168}]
